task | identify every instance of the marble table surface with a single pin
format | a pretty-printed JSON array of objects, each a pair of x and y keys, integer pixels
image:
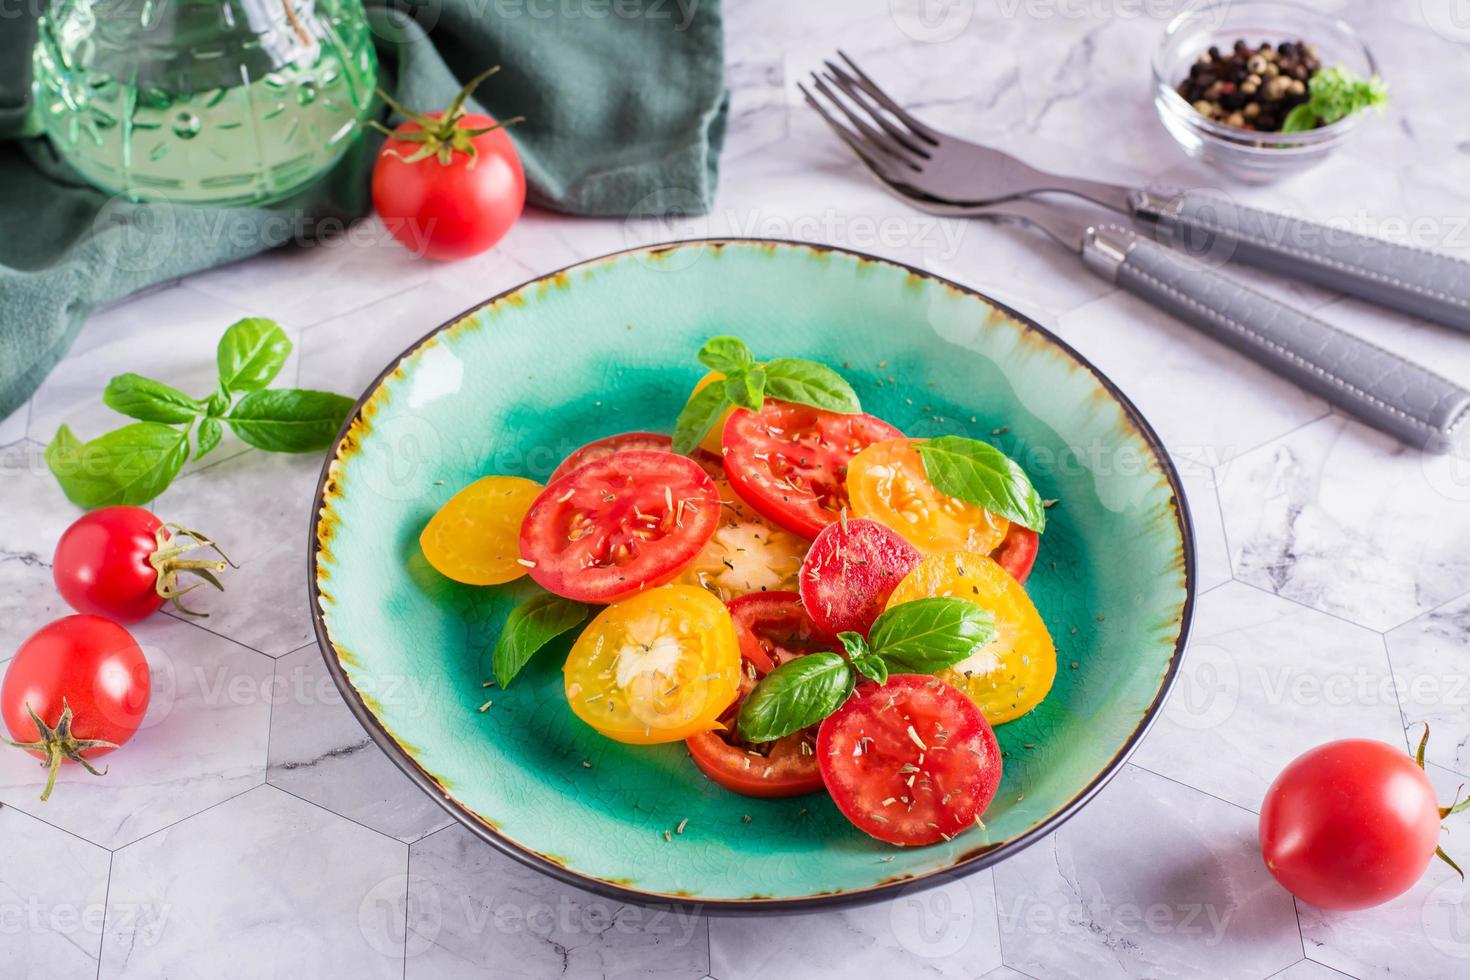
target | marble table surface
[{"x": 253, "y": 830}]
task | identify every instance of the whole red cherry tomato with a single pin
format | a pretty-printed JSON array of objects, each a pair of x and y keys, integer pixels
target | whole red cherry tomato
[
  {"x": 76, "y": 690},
  {"x": 123, "y": 562},
  {"x": 1352, "y": 824},
  {"x": 449, "y": 184}
]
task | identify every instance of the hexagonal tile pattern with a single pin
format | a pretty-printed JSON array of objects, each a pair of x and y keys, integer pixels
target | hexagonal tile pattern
[
  {"x": 1152, "y": 879},
  {"x": 1425, "y": 932},
  {"x": 1212, "y": 553},
  {"x": 127, "y": 337},
  {"x": 949, "y": 931},
  {"x": 202, "y": 742},
  {"x": 1333, "y": 516},
  {"x": 1264, "y": 680},
  {"x": 319, "y": 752},
  {"x": 306, "y": 284},
  {"x": 1208, "y": 403},
  {"x": 52, "y": 889},
  {"x": 474, "y": 912},
  {"x": 266, "y": 499},
  {"x": 264, "y": 885},
  {"x": 1333, "y": 576},
  {"x": 1431, "y": 659},
  {"x": 28, "y": 598}
]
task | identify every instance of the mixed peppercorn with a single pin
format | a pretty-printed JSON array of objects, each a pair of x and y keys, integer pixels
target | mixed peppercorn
[{"x": 1251, "y": 88}]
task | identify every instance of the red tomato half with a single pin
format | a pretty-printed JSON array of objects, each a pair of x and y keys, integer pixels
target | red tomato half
[
  {"x": 911, "y": 761},
  {"x": 1349, "y": 824},
  {"x": 850, "y": 571},
  {"x": 602, "y": 448},
  {"x": 619, "y": 525},
  {"x": 449, "y": 211},
  {"x": 789, "y": 461},
  {"x": 96, "y": 668},
  {"x": 1017, "y": 552},
  {"x": 772, "y": 628}
]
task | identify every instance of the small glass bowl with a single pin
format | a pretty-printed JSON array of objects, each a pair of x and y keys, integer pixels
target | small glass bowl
[{"x": 1252, "y": 157}]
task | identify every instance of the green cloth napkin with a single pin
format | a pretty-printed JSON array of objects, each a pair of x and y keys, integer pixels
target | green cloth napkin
[{"x": 624, "y": 115}]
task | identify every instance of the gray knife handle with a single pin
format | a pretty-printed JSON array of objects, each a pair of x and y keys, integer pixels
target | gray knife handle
[
  {"x": 1397, "y": 396},
  {"x": 1402, "y": 277}
]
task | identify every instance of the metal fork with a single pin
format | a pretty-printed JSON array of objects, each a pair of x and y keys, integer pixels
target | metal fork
[
  {"x": 945, "y": 167},
  {"x": 1397, "y": 396}
]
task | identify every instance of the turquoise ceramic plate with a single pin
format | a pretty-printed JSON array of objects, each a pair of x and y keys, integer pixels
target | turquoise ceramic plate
[{"x": 607, "y": 346}]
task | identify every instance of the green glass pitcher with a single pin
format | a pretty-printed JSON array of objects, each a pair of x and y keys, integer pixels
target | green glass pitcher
[{"x": 228, "y": 102}]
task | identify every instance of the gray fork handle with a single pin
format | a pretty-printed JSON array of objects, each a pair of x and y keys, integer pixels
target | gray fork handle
[
  {"x": 1402, "y": 277},
  {"x": 1397, "y": 396}
]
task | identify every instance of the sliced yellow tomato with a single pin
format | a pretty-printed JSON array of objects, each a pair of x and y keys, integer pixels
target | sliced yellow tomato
[
  {"x": 746, "y": 553},
  {"x": 887, "y": 483},
  {"x": 1010, "y": 674},
  {"x": 711, "y": 441},
  {"x": 658, "y": 667},
  {"x": 475, "y": 537}
]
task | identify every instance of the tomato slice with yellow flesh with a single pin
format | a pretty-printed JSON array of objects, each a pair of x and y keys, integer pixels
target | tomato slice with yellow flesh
[
  {"x": 1009, "y": 675},
  {"x": 887, "y": 482},
  {"x": 658, "y": 667},
  {"x": 747, "y": 553},
  {"x": 475, "y": 537},
  {"x": 711, "y": 441}
]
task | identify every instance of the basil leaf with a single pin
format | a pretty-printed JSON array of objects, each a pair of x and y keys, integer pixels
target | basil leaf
[
  {"x": 152, "y": 401},
  {"x": 131, "y": 465},
  {"x": 699, "y": 416},
  {"x": 1300, "y": 119},
  {"x": 854, "y": 643},
  {"x": 792, "y": 379},
  {"x": 798, "y": 693},
  {"x": 217, "y": 404},
  {"x": 528, "y": 628},
  {"x": 977, "y": 472},
  {"x": 928, "y": 635},
  {"x": 207, "y": 436},
  {"x": 727, "y": 355},
  {"x": 289, "y": 420},
  {"x": 251, "y": 353},
  {"x": 872, "y": 666},
  {"x": 747, "y": 388}
]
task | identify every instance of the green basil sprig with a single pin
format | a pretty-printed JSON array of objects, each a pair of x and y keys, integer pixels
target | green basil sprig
[
  {"x": 980, "y": 474},
  {"x": 748, "y": 383},
  {"x": 920, "y": 637},
  {"x": 528, "y": 628},
  {"x": 137, "y": 462}
]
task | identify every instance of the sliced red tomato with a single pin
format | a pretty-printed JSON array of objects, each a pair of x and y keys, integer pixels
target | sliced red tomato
[
  {"x": 909, "y": 762},
  {"x": 606, "y": 446},
  {"x": 1017, "y": 553},
  {"x": 850, "y": 571},
  {"x": 771, "y": 628},
  {"x": 618, "y": 525},
  {"x": 786, "y": 767},
  {"x": 789, "y": 461}
]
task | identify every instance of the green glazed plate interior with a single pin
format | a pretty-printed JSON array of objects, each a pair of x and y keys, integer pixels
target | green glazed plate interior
[{"x": 608, "y": 346}]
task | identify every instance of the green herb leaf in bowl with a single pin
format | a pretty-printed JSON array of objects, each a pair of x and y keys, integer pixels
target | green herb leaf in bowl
[{"x": 978, "y": 473}]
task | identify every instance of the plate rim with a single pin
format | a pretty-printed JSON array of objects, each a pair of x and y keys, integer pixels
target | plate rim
[{"x": 976, "y": 860}]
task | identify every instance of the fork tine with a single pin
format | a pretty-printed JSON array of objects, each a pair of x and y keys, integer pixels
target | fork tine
[
  {"x": 880, "y": 168},
  {"x": 883, "y": 99},
  {"x": 892, "y": 147},
  {"x": 849, "y": 86}
]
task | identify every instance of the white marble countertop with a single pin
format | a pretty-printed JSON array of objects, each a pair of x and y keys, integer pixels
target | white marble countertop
[{"x": 253, "y": 830}]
